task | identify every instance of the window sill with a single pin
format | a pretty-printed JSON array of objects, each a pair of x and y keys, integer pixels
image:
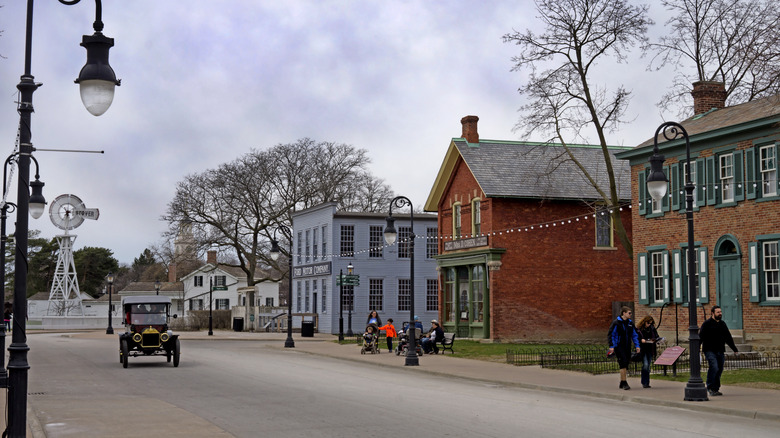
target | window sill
[
  {"x": 767, "y": 198},
  {"x": 604, "y": 248},
  {"x": 726, "y": 204},
  {"x": 773, "y": 303}
]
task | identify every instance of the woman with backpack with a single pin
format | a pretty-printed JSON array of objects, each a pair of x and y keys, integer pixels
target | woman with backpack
[{"x": 622, "y": 335}]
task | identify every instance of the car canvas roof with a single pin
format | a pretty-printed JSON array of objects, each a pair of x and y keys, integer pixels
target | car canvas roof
[{"x": 150, "y": 299}]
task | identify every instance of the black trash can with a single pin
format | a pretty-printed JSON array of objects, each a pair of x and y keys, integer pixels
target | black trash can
[
  {"x": 238, "y": 324},
  {"x": 307, "y": 329}
]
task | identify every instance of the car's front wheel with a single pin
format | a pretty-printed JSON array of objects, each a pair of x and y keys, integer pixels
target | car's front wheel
[
  {"x": 176, "y": 353},
  {"x": 124, "y": 353}
]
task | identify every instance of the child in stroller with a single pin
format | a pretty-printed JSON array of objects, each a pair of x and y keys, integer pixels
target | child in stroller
[
  {"x": 403, "y": 339},
  {"x": 370, "y": 340}
]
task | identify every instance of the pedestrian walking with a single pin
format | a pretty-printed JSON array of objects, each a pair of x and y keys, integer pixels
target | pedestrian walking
[
  {"x": 714, "y": 335},
  {"x": 648, "y": 338},
  {"x": 622, "y": 336},
  {"x": 390, "y": 332}
]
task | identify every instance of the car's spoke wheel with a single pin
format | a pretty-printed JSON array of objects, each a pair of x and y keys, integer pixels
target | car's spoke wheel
[
  {"x": 176, "y": 353},
  {"x": 125, "y": 353}
]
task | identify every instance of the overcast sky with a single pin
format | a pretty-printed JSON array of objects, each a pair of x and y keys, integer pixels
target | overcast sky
[{"x": 204, "y": 81}]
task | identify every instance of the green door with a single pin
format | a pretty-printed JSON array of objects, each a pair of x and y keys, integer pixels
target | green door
[{"x": 730, "y": 292}]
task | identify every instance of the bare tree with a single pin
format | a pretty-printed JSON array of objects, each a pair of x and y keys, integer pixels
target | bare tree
[
  {"x": 736, "y": 42},
  {"x": 563, "y": 102},
  {"x": 240, "y": 205}
]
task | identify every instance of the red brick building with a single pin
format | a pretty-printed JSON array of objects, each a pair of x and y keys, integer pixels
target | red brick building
[
  {"x": 736, "y": 214},
  {"x": 528, "y": 250}
]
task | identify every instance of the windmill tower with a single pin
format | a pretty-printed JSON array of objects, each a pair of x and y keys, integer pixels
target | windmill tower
[{"x": 67, "y": 212}]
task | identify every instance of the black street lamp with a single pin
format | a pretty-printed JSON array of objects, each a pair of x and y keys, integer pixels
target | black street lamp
[
  {"x": 96, "y": 81},
  {"x": 341, "y": 305},
  {"x": 157, "y": 287},
  {"x": 211, "y": 291},
  {"x": 657, "y": 184},
  {"x": 350, "y": 268},
  {"x": 390, "y": 237},
  {"x": 110, "y": 280},
  {"x": 275, "y": 252}
]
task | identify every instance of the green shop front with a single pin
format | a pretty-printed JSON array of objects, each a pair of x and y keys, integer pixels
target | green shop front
[{"x": 465, "y": 283}]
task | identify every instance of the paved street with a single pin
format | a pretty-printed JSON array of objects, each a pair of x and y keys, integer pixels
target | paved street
[{"x": 227, "y": 385}]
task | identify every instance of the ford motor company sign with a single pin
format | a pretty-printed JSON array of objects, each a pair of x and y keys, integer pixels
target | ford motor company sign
[
  {"x": 311, "y": 270},
  {"x": 466, "y": 243}
]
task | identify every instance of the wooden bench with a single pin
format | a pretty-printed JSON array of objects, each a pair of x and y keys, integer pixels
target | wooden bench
[{"x": 447, "y": 342}]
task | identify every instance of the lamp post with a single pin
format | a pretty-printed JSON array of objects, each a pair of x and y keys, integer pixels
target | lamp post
[
  {"x": 96, "y": 82},
  {"x": 211, "y": 291},
  {"x": 657, "y": 184},
  {"x": 350, "y": 268},
  {"x": 110, "y": 280},
  {"x": 275, "y": 252},
  {"x": 157, "y": 287},
  {"x": 341, "y": 305},
  {"x": 390, "y": 237}
]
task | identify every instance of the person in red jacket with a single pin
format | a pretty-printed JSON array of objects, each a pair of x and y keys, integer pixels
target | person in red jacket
[{"x": 391, "y": 333}]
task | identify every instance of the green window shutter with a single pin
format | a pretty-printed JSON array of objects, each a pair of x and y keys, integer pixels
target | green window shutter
[
  {"x": 739, "y": 178},
  {"x": 701, "y": 183},
  {"x": 642, "y": 274},
  {"x": 704, "y": 291},
  {"x": 677, "y": 286},
  {"x": 675, "y": 186},
  {"x": 667, "y": 275},
  {"x": 665, "y": 200},
  {"x": 642, "y": 192},
  {"x": 712, "y": 178},
  {"x": 751, "y": 179},
  {"x": 754, "y": 258}
]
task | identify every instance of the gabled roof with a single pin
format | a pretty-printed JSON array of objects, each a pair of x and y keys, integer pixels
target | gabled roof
[
  {"x": 746, "y": 117},
  {"x": 511, "y": 169},
  {"x": 149, "y": 286},
  {"x": 233, "y": 271}
]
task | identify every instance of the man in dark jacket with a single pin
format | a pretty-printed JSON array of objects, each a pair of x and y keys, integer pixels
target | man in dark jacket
[
  {"x": 622, "y": 335},
  {"x": 714, "y": 336}
]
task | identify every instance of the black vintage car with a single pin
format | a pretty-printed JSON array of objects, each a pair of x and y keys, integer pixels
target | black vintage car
[{"x": 146, "y": 329}]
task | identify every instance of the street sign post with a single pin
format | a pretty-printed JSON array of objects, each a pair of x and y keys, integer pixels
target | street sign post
[{"x": 348, "y": 280}]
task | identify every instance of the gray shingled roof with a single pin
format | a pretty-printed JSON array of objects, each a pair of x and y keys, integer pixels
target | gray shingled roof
[{"x": 536, "y": 170}]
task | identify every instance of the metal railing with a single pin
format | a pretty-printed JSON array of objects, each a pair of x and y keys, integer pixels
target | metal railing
[{"x": 593, "y": 359}]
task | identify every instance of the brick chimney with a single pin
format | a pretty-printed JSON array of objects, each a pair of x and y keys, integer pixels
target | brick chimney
[
  {"x": 211, "y": 257},
  {"x": 470, "y": 129},
  {"x": 172, "y": 272},
  {"x": 708, "y": 95}
]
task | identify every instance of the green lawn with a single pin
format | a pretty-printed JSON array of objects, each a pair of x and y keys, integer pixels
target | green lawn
[{"x": 754, "y": 378}]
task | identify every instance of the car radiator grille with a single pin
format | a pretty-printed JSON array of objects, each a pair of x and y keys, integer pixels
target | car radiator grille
[{"x": 151, "y": 339}]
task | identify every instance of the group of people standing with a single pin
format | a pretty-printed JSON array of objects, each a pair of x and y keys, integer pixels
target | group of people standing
[
  {"x": 435, "y": 336},
  {"x": 623, "y": 334}
]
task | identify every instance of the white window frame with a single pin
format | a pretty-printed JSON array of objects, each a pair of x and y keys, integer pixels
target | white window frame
[
  {"x": 726, "y": 174},
  {"x": 657, "y": 276},
  {"x": 693, "y": 180},
  {"x": 768, "y": 164},
  {"x": 771, "y": 270}
]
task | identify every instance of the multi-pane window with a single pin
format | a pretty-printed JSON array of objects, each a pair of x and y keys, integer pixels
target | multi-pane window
[
  {"x": 347, "y": 240},
  {"x": 324, "y": 295},
  {"x": 347, "y": 297},
  {"x": 269, "y": 301},
  {"x": 308, "y": 246},
  {"x": 768, "y": 171},
  {"x": 314, "y": 240},
  {"x": 726, "y": 171},
  {"x": 306, "y": 306},
  {"x": 196, "y": 304},
  {"x": 376, "y": 294},
  {"x": 222, "y": 304},
  {"x": 404, "y": 294},
  {"x": 456, "y": 221},
  {"x": 478, "y": 292},
  {"x": 685, "y": 280},
  {"x": 298, "y": 297},
  {"x": 314, "y": 296},
  {"x": 220, "y": 281},
  {"x": 449, "y": 294},
  {"x": 693, "y": 180},
  {"x": 324, "y": 241},
  {"x": 198, "y": 280},
  {"x": 657, "y": 272},
  {"x": 476, "y": 218},
  {"x": 431, "y": 295},
  {"x": 404, "y": 242},
  {"x": 432, "y": 243},
  {"x": 771, "y": 273},
  {"x": 299, "y": 252},
  {"x": 603, "y": 228},
  {"x": 375, "y": 243}
]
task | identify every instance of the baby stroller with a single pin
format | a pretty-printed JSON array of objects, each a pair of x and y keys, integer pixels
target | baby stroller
[
  {"x": 370, "y": 340},
  {"x": 403, "y": 341}
]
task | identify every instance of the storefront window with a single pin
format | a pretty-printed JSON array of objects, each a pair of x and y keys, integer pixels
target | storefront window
[
  {"x": 449, "y": 295},
  {"x": 477, "y": 290}
]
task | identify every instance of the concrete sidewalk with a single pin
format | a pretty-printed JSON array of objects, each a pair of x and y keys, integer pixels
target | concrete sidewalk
[{"x": 738, "y": 401}]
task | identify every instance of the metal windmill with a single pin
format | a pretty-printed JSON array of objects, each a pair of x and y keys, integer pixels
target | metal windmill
[{"x": 67, "y": 212}]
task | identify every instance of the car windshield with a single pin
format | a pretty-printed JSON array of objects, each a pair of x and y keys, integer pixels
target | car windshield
[{"x": 148, "y": 314}]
